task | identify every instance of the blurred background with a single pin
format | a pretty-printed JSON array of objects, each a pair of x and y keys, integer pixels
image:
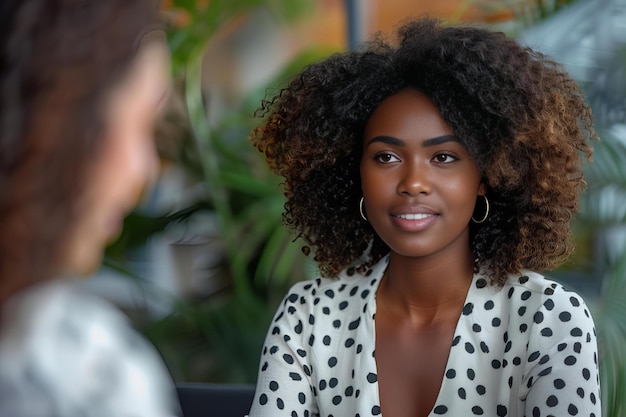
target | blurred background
[{"x": 203, "y": 262}]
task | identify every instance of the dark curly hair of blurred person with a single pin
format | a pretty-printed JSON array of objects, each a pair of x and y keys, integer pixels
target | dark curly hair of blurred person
[
  {"x": 519, "y": 114},
  {"x": 53, "y": 82}
]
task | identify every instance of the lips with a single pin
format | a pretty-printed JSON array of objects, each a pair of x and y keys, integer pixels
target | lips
[
  {"x": 413, "y": 211},
  {"x": 414, "y": 216}
]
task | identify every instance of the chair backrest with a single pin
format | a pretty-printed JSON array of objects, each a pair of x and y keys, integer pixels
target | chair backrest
[{"x": 215, "y": 400}]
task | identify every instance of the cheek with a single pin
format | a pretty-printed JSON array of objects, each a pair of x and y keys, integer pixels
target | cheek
[
  {"x": 371, "y": 179},
  {"x": 463, "y": 192},
  {"x": 461, "y": 185},
  {"x": 124, "y": 169},
  {"x": 134, "y": 154},
  {"x": 371, "y": 190},
  {"x": 377, "y": 190}
]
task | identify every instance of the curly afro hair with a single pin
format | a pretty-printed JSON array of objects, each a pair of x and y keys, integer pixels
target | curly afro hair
[{"x": 522, "y": 118}]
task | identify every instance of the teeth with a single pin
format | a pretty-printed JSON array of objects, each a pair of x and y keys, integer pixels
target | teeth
[{"x": 418, "y": 216}]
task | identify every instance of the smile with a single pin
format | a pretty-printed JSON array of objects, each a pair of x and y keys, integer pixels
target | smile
[
  {"x": 416, "y": 216},
  {"x": 414, "y": 222}
]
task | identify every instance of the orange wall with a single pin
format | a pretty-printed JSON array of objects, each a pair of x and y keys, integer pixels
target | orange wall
[{"x": 327, "y": 24}]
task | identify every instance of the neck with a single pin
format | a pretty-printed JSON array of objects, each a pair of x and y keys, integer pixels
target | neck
[{"x": 414, "y": 284}]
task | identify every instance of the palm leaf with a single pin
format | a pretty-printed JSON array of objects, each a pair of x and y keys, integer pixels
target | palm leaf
[
  {"x": 609, "y": 311},
  {"x": 604, "y": 207},
  {"x": 609, "y": 164}
]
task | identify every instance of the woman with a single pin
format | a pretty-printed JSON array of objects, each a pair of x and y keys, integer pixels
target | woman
[
  {"x": 82, "y": 84},
  {"x": 431, "y": 180}
]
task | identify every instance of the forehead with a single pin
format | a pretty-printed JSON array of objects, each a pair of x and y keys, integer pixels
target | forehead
[{"x": 407, "y": 114}]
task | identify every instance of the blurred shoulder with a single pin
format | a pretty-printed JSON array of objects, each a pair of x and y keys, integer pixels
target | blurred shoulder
[{"x": 60, "y": 347}]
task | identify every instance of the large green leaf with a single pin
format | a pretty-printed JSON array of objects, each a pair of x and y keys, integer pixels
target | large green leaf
[
  {"x": 609, "y": 164},
  {"x": 609, "y": 311},
  {"x": 604, "y": 207}
]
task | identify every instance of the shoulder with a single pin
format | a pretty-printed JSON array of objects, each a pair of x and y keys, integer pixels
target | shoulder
[
  {"x": 349, "y": 284},
  {"x": 334, "y": 299},
  {"x": 59, "y": 313},
  {"x": 60, "y": 346},
  {"x": 534, "y": 285},
  {"x": 323, "y": 293},
  {"x": 550, "y": 307},
  {"x": 343, "y": 286}
]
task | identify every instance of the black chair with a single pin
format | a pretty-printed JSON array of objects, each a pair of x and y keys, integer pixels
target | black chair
[{"x": 215, "y": 400}]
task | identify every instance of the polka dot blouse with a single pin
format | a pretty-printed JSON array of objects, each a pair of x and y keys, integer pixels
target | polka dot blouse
[{"x": 527, "y": 349}]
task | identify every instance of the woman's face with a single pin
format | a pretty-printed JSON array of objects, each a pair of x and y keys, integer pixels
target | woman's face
[
  {"x": 126, "y": 163},
  {"x": 419, "y": 182}
]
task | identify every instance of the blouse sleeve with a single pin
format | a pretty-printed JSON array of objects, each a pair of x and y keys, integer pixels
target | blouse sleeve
[
  {"x": 284, "y": 387},
  {"x": 65, "y": 353},
  {"x": 562, "y": 372}
]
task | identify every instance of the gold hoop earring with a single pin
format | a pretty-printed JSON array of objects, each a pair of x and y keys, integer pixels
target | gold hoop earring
[
  {"x": 361, "y": 209},
  {"x": 486, "y": 212}
]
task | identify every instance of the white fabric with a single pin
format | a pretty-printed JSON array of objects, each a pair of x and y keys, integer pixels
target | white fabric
[{"x": 65, "y": 354}]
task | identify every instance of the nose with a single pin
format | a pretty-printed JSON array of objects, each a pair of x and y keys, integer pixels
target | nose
[{"x": 414, "y": 180}]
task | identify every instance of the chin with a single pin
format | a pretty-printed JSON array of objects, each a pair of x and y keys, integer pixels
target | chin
[
  {"x": 83, "y": 261},
  {"x": 91, "y": 262},
  {"x": 83, "y": 253},
  {"x": 91, "y": 267}
]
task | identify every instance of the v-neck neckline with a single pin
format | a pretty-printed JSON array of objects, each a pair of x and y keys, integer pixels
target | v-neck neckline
[{"x": 379, "y": 271}]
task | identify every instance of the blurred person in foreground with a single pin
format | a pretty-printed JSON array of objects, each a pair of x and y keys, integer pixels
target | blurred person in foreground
[{"x": 82, "y": 84}]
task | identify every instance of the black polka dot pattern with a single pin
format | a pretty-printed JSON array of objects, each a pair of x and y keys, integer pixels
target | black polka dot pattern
[{"x": 527, "y": 349}]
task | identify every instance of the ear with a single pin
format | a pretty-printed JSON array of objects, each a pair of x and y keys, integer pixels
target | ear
[{"x": 482, "y": 188}]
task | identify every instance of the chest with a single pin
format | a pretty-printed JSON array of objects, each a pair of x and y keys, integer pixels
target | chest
[{"x": 411, "y": 364}]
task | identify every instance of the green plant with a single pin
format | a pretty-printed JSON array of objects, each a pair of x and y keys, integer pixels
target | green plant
[
  {"x": 602, "y": 224},
  {"x": 219, "y": 338}
]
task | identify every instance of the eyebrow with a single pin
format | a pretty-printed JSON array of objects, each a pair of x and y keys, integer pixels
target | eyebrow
[
  {"x": 390, "y": 140},
  {"x": 439, "y": 140}
]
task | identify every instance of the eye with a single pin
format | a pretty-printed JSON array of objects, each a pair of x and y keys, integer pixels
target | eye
[
  {"x": 444, "y": 158},
  {"x": 385, "y": 158}
]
